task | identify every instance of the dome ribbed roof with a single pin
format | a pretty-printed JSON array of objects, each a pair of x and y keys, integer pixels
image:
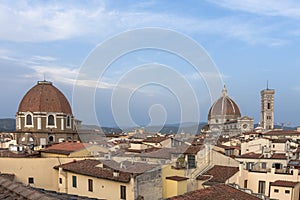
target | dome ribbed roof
[
  {"x": 224, "y": 106},
  {"x": 44, "y": 97}
]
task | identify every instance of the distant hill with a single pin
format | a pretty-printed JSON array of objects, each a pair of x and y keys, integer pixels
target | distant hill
[
  {"x": 7, "y": 125},
  {"x": 189, "y": 127},
  {"x": 280, "y": 127}
]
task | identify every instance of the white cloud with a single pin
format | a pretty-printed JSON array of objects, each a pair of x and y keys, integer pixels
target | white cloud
[
  {"x": 287, "y": 8},
  {"x": 40, "y": 22},
  {"x": 64, "y": 75}
]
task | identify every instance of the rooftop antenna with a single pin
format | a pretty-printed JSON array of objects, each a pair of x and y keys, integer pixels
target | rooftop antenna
[
  {"x": 44, "y": 77},
  {"x": 267, "y": 84}
]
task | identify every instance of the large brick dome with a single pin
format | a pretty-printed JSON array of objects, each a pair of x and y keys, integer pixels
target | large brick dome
[
  {"x": 224, "y": 107},
  {"x": 44, "y": 97}
]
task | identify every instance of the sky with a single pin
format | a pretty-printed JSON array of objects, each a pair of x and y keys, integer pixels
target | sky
[{"x": 249, "y": 42}]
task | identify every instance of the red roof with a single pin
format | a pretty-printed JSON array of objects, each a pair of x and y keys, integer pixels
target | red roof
[
  {"x": 193, "y": 149},
  {"x": 177, "y": 178},
  {"x": 89, "y": 168},
  {"x": 44, "y": 97},
  {"x": 282, "y": 132},
  {"x": 251, "y": 155},
  {"x": 219, "y": 174},
  {"x": 281, "y": 183},
  {"x": 155, "y": 139},
  {"x": 216, "y": 192},
  {"x": 65, "y": 147},
  {"x": 261, "y": 156}
]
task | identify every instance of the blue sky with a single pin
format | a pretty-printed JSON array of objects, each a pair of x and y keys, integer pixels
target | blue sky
[{"x": 249, "y": 41}]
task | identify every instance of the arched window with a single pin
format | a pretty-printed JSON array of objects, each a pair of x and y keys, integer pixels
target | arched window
[
  {"x": 28, "y": 119},
  {"x": 51, "y": 120},
  {"x": 68, "y": 121}
]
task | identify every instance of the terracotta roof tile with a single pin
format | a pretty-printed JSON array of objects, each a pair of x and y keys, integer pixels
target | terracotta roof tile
[
  {"x": 251, "y": 155},
  {"x": 155, "y": 139},
  {"x": 282, "y": 132},
  {"x": 193, "y": 149},
  {"x": 89, "y": 168},
  {"x": 282, "y": 183},
  {"x": 279, "y": 156},
  {"x": 219, "y": 174},
  {"x": 65, "y": 147},
  {"x": 258, "y": 155},
  {"x": 177, "y": 178},
  {"x": 10, "y": 154},
  {"x": 44, "y": 97},
  {"x": 216, "y": 192}
]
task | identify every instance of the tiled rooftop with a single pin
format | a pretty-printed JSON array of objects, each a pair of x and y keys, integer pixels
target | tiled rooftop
[
  {"x": 282, "y": 132},
  {"x": 282, "y": 183},
  {"x": 260, "y": 156},
  {"x": 193, "y": 149},
  {"x": 105, "y": 169},
  {"x": 177, "y": 178},
  {"x": 65, "y": 148},
  {"x": 11, "y": 190},
  {"x": 157, "y": 139},
  {"x": 91, "y": 168},
  {"x": 219, "y": 174},
  {"x": 216, "y": 192},
  {"x": 10, "y": 154}
]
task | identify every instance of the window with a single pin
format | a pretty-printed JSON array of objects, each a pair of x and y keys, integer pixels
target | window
[
  {"x": 276, "y": 190},
  {"x": 50, "y": 120},
  {"x": 28, "y": 119},
  {"x": 269, "y": 106},
  {"x": 263, "y": 165},
  {"x": 30, "y": 180},
  {"x": 245, "y": 183},
  {"x": 277, "y": 165},
  {"x": 261, "y": 187},
  {"x": 287, "y": 191},
  {"x": 74, "y": 181},
  {"x": 90, "y": 185},
  {"x": 51, "y": 138},
  {"x": 123, "y": 191},
  {"x": 60, "y": 180},
  {"x": 68, "y": 121},
  {"x": 191, "y": 161},
  {"x": 249, "y": 165}
]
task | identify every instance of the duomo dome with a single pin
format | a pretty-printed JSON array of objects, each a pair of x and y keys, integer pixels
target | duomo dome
[{"x": 223, "y": 110}]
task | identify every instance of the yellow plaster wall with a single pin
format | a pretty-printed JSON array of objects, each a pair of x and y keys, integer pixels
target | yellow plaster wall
[
  {"x": 102, "y": 188},
  {"x": 41, "y": 169},
  {"x": 168, "y": 171}
]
